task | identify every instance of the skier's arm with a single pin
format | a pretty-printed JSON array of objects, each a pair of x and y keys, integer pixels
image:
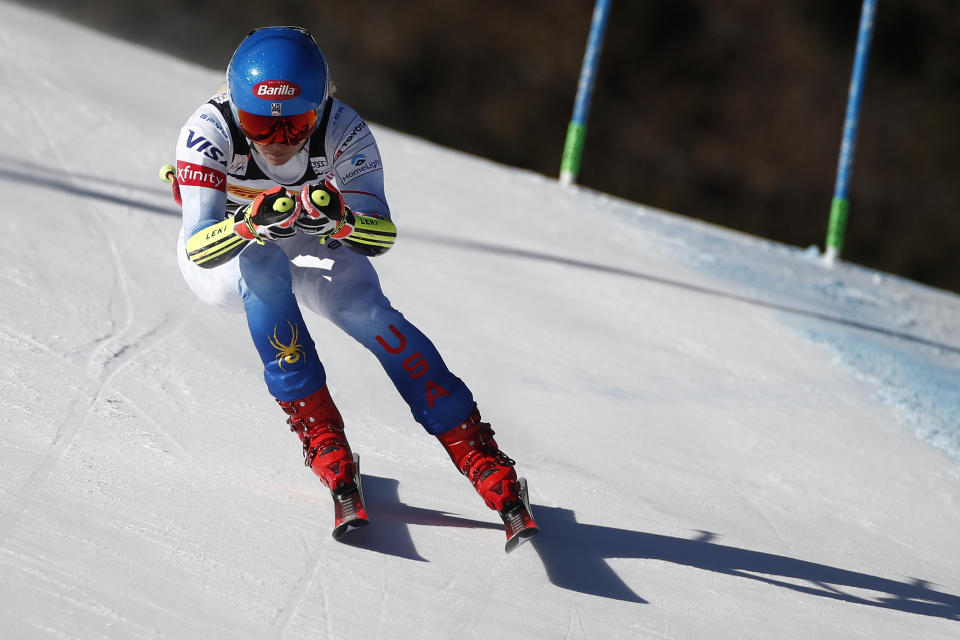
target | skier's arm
[
  {"x": 272, "y": 215},
  {"x": 323, "y": 213},
  {"x": 202, "y": 150},
  {"x": 358, "y": 169},
  {"x": 214, "y": 245},
  {"x": 201, "y": 173}
]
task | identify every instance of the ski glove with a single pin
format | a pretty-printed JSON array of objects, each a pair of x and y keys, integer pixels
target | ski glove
[
  {"x": 323, "y": 214},
  {"x": 271, "y": 216},
  {"x": 322, "y": 211}
]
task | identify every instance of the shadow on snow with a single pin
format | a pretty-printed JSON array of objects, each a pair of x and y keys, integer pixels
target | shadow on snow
[
  {"x": 94, "y": 187},
  {"x": 574, "y": 555},
  {"x": 390, "y": 534}
]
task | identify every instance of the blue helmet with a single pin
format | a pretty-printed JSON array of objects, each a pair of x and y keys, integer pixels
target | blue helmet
[{"x": 278, "y": 71}]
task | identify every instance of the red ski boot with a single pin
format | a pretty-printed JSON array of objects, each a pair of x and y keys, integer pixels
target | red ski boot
[
  {"x": 475, "y": 453},
  {"x": 316, "y": 420}
]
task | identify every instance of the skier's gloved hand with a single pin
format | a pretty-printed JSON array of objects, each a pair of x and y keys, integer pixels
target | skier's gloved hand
[
  {"x": 322, "y": 211},
  {"x": 271, "y": 216},
  {"x": 323, "y": 214}
]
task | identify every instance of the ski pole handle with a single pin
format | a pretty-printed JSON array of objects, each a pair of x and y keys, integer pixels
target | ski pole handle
[{"x": 169, "y": 174}]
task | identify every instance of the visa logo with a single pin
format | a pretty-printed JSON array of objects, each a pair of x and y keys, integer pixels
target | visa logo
[{"x": 204, "y": 146}]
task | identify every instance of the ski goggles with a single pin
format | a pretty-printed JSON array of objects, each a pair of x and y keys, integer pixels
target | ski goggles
[{"x": 290, "y": 130}]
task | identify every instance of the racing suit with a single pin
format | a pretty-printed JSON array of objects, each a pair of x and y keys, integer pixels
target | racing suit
[{"x": 218, "y": 170}]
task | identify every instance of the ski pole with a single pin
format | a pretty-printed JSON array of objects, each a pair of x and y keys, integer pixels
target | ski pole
[
  {"x": 840, "y": 205},
  {"x": 577, "y": 129}
]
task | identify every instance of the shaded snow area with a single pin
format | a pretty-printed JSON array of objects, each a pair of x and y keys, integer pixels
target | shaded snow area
[{"x": 724, "y": 437}]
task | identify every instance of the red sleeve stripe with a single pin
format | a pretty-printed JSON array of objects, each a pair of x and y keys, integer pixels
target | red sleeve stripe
[{"x": 195, "y": 175}]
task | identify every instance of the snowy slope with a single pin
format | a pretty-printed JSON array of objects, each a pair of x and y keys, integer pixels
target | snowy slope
[{"x": 721, "y": 433}]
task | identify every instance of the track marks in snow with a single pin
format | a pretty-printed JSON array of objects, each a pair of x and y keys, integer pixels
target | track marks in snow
[
  {"x": 294, "y": 599},
  {"x": 172, "y": 445},
  {"x": 105, "y": 362},
  {"x": 106, "y": 357},
  {"x": 18, "y": 337},
  {"x": 66, "y": 432},
  {"x": 46, "y": 577},
  {"x": 575, "y": 630},
  {"x": 770, "y": 522},
  {"x": 105, "y": 354}
]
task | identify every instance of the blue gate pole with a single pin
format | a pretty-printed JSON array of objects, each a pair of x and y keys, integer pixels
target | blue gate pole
[
  {"x": 840, "y": 206},
  {"x": 577, "y": 130}
]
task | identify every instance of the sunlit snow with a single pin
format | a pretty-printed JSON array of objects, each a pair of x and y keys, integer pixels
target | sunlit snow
[{"x": 724, "y": 437}]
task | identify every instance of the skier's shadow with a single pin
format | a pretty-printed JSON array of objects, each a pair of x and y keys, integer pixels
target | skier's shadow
[
  {"x": 575, "y": 554},
  {"x": 95, "y": 187},
  {"x": 391, "y": 534}
]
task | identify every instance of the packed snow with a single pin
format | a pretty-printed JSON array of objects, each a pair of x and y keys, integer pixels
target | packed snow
[{"x": 724, "y": 437}]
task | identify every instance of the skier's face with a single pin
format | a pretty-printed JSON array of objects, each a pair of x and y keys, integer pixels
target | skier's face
[
  {"x": 277, "y": 153},
  {"x": 277, "y": 138}
]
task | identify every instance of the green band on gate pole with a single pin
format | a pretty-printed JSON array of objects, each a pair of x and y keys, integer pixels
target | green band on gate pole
[
  {"x": 573, "y": 149},
  {"x": 840, "y": 206},
  {"x": 839, "y": 209}
]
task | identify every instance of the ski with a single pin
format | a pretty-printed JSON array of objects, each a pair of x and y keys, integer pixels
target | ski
[
  {"x": 348, "y": 510},
  {"x": 518, "y": 521}
]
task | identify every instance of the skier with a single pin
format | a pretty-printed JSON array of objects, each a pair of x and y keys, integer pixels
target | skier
[{"x": 271, "y": 168}]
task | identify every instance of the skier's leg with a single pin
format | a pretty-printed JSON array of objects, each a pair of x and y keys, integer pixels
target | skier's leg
[
  {"x": 292, "y": 368},
  {"x": 258, "y": 282},
  {"x": 349, "y": 295}
]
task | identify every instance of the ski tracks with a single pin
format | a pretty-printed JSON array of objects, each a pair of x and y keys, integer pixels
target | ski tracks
[
  {"x": 278, "y": 627},
  {"x": 754, "y": 504},
  {"x": 108, "y": 357},
  {"x": 106, "y": 362}
]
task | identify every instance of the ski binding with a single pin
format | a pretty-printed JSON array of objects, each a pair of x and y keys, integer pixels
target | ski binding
[
  {"x": 348, "y": 508},
  {"x": 518, "y": 521}
]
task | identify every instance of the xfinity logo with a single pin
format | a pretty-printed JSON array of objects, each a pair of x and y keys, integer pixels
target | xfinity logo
[
  {"x": 276, "y": 89},
  {"x": 194, "y": 175}
]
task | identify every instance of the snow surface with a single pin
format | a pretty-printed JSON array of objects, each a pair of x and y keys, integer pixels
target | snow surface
[{"x": 721, "y": 433}]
